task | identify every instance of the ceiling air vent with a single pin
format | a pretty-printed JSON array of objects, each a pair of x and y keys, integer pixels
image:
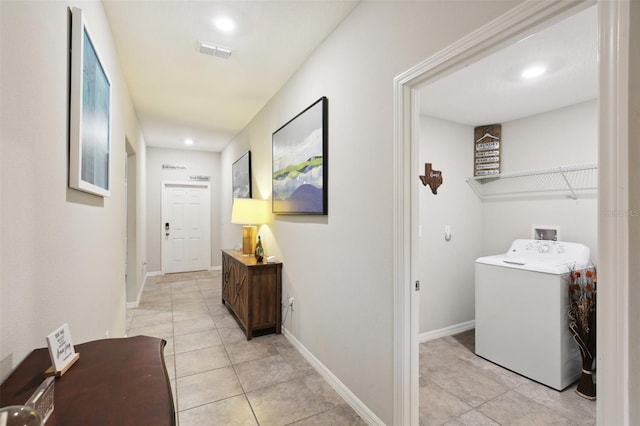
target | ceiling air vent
[{"x": 213, "y": 50}]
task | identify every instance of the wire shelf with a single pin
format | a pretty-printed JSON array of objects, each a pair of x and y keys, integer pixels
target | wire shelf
[{"x": 565, "y": 181}]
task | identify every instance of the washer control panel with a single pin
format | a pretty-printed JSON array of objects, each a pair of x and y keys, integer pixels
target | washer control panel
[
  {"x": 552, "y": 251},
  {"x": 542, "y": 246}
]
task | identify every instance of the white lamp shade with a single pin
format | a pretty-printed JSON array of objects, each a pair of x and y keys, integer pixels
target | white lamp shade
[{"x": 249, "y": 211}]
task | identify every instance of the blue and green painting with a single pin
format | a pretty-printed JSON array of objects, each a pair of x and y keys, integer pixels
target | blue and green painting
[
  {"x": 96, "y": 98},
  {"x": 298, "y": 164}
]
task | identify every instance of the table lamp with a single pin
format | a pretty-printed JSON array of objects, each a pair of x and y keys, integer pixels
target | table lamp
[{"x": 249, "y": 212}]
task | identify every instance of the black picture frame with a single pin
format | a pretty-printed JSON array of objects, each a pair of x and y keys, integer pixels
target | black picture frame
[
  {"x": 300, "y": 162},
  {"x": 241, "y": 177}
]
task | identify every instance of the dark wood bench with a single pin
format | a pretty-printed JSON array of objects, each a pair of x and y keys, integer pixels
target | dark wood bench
[{"x": 115, "y": 382}]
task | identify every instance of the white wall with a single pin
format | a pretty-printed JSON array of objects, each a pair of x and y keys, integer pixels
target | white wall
[
  {"x": 62, "y": 250},
  {"x": 563, "y": 137},
  {"x": 446, "y": 272},
  {"x": 339, "y": 267},
  {"x": 198, "y": 163},
  {"x": 481, "y": 228}
]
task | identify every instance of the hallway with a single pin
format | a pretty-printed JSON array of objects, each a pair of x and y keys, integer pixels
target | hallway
[{"x": 220, "y": 378}]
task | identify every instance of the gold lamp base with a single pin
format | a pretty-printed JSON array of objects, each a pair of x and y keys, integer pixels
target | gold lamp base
[{"x": 249, "y": 239}]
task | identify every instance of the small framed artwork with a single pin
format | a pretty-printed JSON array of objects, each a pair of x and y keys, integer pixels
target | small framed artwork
[
  {"x": 241, "y": 176},
  {"x": 300, "y": 147},
  {"x": 90, "y": 113}
]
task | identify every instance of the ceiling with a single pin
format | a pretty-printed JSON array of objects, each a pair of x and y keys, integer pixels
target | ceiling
[
  {"x": 491, "y": 90},
  {"x": 179, "y": 93}
]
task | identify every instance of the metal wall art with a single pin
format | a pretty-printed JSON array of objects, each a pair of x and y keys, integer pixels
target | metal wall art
[{"x": 431, "y": 177}]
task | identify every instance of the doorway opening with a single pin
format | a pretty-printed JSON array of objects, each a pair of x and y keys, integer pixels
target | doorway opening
[
  {"x": 547, "y": 123},
  {"x": 521, "y": 21}
]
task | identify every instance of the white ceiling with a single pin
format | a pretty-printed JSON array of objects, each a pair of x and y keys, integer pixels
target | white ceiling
[
  {"x": 491, "y": 91},
  {"x": 179, "y": 93}
]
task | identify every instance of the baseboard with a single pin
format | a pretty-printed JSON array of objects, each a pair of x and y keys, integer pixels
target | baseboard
[
  {"x": 216, "y": 268},
  {"x": 133, "y": 305},
  {"x": 447, "y": 331},
  {"x": 363, "y": 411}
]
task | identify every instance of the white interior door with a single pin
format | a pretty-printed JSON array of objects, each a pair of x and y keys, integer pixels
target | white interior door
[{"x": 185, "y": 226}]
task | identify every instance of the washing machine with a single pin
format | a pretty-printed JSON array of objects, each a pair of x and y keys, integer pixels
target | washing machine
[{"x": 521, "y": 310}]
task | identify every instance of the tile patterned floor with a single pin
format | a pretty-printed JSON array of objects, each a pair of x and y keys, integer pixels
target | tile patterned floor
[
  {"x": 459, "y": 388},
  {"x": 220, "y": 378}
]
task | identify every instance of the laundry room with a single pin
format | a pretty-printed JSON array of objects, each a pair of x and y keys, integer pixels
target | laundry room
[{"x": 546, "y": 156}]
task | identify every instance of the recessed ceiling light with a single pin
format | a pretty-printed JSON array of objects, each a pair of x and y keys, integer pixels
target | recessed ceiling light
[
  {"x": 188, "y": 141},
  {"x": 224, "y": 23},
  {"x": 533, "y": 72}
]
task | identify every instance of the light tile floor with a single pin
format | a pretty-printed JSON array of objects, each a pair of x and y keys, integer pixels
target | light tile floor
[
  {"x": 459, "y": 388},
  {"x": 220, "y": 378}
]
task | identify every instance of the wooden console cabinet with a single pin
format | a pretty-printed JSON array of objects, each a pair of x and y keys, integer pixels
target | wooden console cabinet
[{"x": 252, "y": 291}]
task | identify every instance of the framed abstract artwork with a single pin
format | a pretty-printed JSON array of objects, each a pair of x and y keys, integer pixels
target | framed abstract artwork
[
  {"x": 300, "y": 147},
  {"x": 241, "y": 176},
  {"x": 89, "y": 113}
]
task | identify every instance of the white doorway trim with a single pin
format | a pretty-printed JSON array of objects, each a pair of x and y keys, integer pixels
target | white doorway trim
[
  {"x": 615, "y": 383},
  {"x": 522, "y": 20},
  {"x": 131, "y": 225}
]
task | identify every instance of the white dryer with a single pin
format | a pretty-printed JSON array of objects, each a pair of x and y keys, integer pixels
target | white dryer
[{"x": 521, "y": 310}]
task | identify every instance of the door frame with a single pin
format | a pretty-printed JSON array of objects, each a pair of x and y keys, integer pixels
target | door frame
[
  {"x": 613, "y": 300},
  {"x": 185, "y": 183},
  {"x": 131, "y": 225}
]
